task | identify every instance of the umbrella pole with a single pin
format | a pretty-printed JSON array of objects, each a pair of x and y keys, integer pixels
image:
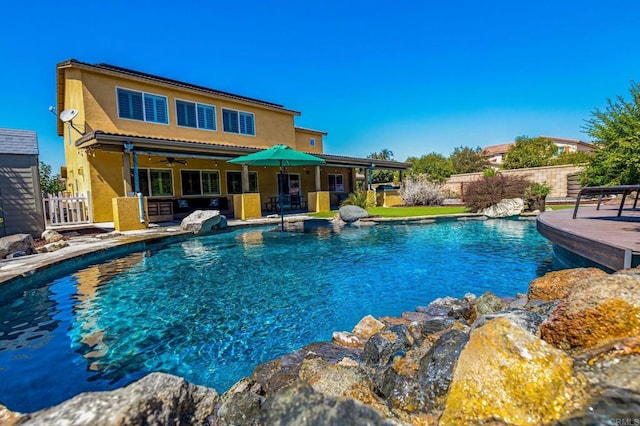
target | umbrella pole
[{"x": 280, "y": 198}]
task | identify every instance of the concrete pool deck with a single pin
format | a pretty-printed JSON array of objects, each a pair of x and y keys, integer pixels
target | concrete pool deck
[{"x": 83, "y": 245}]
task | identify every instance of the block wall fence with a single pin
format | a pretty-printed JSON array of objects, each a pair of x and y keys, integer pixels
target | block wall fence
[{"x": 556, "y": 176}]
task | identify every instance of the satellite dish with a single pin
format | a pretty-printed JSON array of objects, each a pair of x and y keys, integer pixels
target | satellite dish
[{"x": 68, "y": 114}]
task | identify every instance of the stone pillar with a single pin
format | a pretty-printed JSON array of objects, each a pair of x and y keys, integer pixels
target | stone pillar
[
  {"x": 319, "y": 201},
  {"x": 318, "y": 180},
  {"x": 126, "y": 173},
  {"x": 246, "y": 206},
  {"x": 371, "y": 198},
  {"x": 245, "y": 179},
  {"x": 126, "y": 214}
]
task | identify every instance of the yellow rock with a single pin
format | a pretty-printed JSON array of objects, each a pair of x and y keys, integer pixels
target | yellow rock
[
  {"x": 558, "y": 284},
  {"x": 505, "y": 373},
  {"x": 367, "y": 327}
]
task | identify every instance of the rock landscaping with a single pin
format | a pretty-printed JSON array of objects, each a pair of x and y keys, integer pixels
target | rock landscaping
[{"x": 566, "y": 353}]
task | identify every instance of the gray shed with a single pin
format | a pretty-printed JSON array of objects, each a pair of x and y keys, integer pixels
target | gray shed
[{"x": 20, "y": 196}]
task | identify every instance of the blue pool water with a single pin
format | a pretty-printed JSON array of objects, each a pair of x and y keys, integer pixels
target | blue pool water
[{"x": 210, "y": 309}]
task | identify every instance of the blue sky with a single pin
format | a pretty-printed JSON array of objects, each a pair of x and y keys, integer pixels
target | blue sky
[{"x": 414, "y": 77}]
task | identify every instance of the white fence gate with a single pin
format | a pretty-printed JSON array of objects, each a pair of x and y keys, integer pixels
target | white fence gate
[{"x": 64, "y": 209}]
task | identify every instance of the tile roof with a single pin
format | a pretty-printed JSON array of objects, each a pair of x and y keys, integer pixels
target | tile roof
[
  {"x": 23, "y": 142},
  {"x": 186, "y": 148},
  {"x": 497, "y": 149}
]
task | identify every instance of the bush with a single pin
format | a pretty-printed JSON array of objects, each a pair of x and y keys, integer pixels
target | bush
[
  {"x": 358, "y": 198},
  {"x": 490, "y": 190},
  {"x": 421, "y": 192}
]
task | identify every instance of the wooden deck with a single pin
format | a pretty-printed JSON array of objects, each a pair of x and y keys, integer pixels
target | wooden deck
[{"x": 598, "y": 235}]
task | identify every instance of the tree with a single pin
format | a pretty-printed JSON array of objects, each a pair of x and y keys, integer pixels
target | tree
[
  {"x": 578, "y": 157},
  {"x": 468, "y": 160},
  {"x": 616, "y": 130},
  {"x": 436, "y": 166},
  {"x": 49, "y": 184},
  {"x": 381, "y": 175},
  {"x": 530, "y": 152}
]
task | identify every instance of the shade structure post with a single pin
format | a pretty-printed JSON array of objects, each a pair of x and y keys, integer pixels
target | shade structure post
[{"x": 280, "y": 191}]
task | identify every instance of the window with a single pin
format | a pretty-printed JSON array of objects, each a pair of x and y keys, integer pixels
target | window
[
  {"x": 155, "y": 182},
  {"x": 238, "y": 122},
  {"x": 141, "y": 106},
  {"x": 335, "y": 183},
  {"x": 312, "y": 141},
  {"x": 200, "y": 182},
  {"x": 234, "y": 182},
  {"x": 289, "y": 184},
  {"x": 200, "y": 116}
]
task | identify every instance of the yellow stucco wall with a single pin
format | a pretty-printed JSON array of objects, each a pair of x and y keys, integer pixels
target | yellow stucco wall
[
  {"x": 100, "y": 113},
  {"x": 126, "y": 214},
  {"x": 247, "y": 206},
  {"x": 303, "y": 137},
  {"x": 319, "y": 201}
]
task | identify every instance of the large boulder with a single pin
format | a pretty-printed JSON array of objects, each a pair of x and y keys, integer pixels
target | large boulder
[
  {"x": 595, "y": 311},
  {"x": 8, "y": 417},
  {"x": 382, "y": 346},
  {"x": 240, "y": 405},
  {"x": 202, "y": 222},
  {"x": 18, "y": 244},
  {"x": 505, "y": 208},
  {"x": 51, "y": 247},
  {"x": 507, "y": 375},
  {"x": 51, "y": 236},
  {"x": 558, "y": 284},
  {"x": 437, "y": 366},
  {"x": 300, "y": 404},
  {"x": 155, "y": 399},
  {"x": 350, "y": 214},
  {"x": 339, "y": 381}
]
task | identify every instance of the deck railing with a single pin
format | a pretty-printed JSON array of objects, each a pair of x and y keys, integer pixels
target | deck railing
[{"x": 63, "y": 209}]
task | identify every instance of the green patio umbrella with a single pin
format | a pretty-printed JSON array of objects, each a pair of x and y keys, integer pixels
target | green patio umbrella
[{"x": 279, "y": 156}]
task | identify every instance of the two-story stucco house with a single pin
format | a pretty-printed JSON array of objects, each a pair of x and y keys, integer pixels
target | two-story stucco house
[{"x": 169, "y": 140}]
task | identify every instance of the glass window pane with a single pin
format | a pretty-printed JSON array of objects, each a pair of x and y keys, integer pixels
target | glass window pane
[
  {"x": 246, "y": 124},
  {"x": 230, "y": 121},
  {"x": 234, "y": 183},
  {"x": 190, "y": 182},
  {"x": 211, "y": 183},
  {"x": 253, "y": 182},
  {"x": 143, "y": 180},
  {"x": 206, "y": 117},
  {"x": 186, "y": 112},
  {"x": 161, "y": 182},
  {"x": 130, "y": 105},
  {"x": 155, "y": 108}
]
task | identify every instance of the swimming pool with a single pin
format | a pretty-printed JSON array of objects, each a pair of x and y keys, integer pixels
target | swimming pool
[{"x": 210, "y": 309}]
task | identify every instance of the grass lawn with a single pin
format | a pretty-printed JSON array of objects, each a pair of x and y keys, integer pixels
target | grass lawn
[
  {"x": 561, "y": 206},
  {"x": 402, "y": 211}
]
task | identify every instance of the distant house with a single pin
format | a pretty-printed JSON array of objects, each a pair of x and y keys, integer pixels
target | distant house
[
  {"x": 20, "y": 197},
  {"x": 496, "y": 153}
]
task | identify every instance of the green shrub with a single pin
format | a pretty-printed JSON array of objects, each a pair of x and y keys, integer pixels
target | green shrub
[
  {"x": 538, "y": 190},
  {"x": 490, "y": 190},
  {"x": 358, "y": 198}
]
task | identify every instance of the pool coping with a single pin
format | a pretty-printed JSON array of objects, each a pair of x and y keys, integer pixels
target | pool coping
[{"x": 83, "y": 251}]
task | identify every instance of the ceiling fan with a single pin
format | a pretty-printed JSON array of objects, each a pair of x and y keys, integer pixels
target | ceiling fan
[{"x": 170, "y": 161}]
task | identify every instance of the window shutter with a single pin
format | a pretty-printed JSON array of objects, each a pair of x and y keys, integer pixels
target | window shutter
[
  {"x": 230, "y": 120},
  {"x": 130, "y": 105},
  {"x": 206, "y": 117},
  {"x": 246, "y": 124}
]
